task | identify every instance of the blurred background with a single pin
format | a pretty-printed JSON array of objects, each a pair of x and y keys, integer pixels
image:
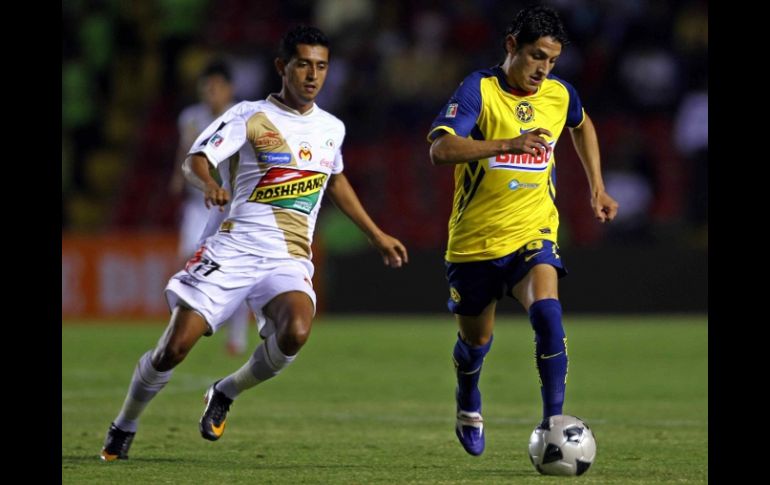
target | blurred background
[{"x": 640, "y": 66}]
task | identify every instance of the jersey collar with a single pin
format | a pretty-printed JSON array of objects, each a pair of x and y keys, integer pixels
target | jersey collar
[
  {"x": 507, "y": 87},
  {"x": 273, "y": 98}
]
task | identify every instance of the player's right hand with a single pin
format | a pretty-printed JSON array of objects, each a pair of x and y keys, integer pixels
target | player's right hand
[
  {"x": 531, "y": 142},
  {"x": 216, "y": 195}
]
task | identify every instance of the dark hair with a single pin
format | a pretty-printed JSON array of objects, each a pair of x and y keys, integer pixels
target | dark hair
[
  {"x": 534, "y": 22},
  {"x": 217, "y": 68},
  {"x": 301, "y": 34}
]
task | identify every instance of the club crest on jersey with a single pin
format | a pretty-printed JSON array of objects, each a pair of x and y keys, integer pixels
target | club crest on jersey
[
  {"x": 523, "y": 162},
  {"x": 304, "y": 152},
  {"x": 289, "y": 188},
  {"x": 525, "y": 112},
  {"x": 451, "y": 110}
]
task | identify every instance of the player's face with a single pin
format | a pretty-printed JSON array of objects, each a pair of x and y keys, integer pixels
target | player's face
[
  {"x": 529, "y": 64},
  {"x": 304, "y": 74}
]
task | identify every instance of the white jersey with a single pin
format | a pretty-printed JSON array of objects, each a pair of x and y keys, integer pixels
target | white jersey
[{"x": 278, "y": 163}]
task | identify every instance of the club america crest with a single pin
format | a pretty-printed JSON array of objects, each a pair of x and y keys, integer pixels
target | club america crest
[{"x": 525, "y": 112}]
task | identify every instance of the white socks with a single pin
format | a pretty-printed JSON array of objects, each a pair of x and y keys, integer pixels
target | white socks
[
  {"x": 266, "y": 362},
  {"x": 145, "y": 384}
]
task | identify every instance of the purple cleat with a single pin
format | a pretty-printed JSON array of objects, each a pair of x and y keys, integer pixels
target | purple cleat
[{"x": 469, "y": 429}]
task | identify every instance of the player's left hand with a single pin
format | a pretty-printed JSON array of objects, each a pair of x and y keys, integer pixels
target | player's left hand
[
  {"x": 605, "y": 207},
  {"x": 393, "y": 252}
]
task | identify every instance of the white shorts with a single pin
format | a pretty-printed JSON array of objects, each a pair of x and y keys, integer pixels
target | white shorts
[{"x": 215, "y": 282}]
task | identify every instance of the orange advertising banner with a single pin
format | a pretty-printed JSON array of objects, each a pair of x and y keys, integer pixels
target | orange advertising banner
[{"x": 120, "y": 275}]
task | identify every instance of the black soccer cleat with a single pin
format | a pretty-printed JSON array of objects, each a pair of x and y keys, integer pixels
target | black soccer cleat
[
  {"x": 212, "y": 423},
  {"x": 116, "y": 444}
]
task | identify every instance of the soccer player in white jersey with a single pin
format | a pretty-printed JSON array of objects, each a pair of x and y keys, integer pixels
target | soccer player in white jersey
[
  {"x": 282, "y": 154},
  {"x": 216, "y": 94}
]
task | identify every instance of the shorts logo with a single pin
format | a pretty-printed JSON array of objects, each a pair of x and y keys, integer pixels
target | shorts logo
[
  {"x": 289, "y": 188},
  {"x": 226, "y": 226},
  {"x": 525, "y": 112},
  {"x": 451, "y": 110},
  {"x": 454, "y": 294},
  {"x": 217, "y": 140},
  {"x": 530, "y": 256},
  {"x": 268, "y": 139},
  {"x": 273, "y": 157},
  {"x": 188, "y": 280},
  {"x": 304, "y": 152}
]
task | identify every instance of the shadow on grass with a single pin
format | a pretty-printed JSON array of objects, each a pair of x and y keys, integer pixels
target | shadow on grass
[{"x": 94, "y": 458}]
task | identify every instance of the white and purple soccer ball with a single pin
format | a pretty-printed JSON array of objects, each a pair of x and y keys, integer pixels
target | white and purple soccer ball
[{"x": 567, "y": 447}]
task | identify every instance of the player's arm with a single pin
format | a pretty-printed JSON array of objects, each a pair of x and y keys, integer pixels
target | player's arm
[
  {"x": 587, "y": 146},
  {"x": 345, "y": 198},
  {"x": 197, "y": 171},
  {"x": 449, "y": 149}
]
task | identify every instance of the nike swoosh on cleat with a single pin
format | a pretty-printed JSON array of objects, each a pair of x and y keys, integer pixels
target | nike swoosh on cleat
[
  {"x": 107, "y": 457},
  {"x": 218, "y": 430},
  {"x": 543, "y": 356},
  {"x": 527, "y": 258}
]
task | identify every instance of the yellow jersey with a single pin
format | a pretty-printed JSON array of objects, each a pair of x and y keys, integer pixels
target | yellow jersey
[{"x": 503, "y": 202}]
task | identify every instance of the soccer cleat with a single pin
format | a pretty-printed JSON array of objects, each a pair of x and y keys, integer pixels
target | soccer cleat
[
  {"x": 116, "y": 444},
  {"x": 212, "y": 423},
  {"x": 469, "y": 429}
]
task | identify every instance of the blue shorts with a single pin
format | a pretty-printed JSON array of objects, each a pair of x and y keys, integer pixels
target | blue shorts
[{"x": 473, "y": 285}]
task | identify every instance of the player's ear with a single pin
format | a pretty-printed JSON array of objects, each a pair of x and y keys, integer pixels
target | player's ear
[
  {"x": 279, "y": 66},
  {"x": 510, "y": 44}
]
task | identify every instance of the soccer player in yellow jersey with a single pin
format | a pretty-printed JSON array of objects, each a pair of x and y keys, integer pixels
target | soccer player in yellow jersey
[{"x": 499, "y": 130}]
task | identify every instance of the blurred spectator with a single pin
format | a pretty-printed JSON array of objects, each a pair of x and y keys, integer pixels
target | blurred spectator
[
  {"x": 691, "y": 138},
  {"x": 629, "y": 176}
]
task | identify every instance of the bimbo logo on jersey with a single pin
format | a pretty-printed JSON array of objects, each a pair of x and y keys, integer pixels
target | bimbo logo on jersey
[{"x": 525, "y": 162}]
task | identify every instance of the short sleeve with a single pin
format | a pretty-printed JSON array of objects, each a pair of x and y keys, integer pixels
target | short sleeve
[
  {"x": 222, "y": 138},
  {"x": 460, "y": 114}
]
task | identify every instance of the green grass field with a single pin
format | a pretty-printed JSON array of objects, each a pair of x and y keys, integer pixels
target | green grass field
[{"x": 370, "y": 400}]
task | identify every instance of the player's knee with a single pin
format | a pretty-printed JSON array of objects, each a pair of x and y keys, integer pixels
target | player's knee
[
  {"x": 477, "y": 340},
  {"x": 169, "y": 356},
  {"x": 296, "y": 334}
]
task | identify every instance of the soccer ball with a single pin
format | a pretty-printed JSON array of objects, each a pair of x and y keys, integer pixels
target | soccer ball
[{"x": 567, "y": 447}]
